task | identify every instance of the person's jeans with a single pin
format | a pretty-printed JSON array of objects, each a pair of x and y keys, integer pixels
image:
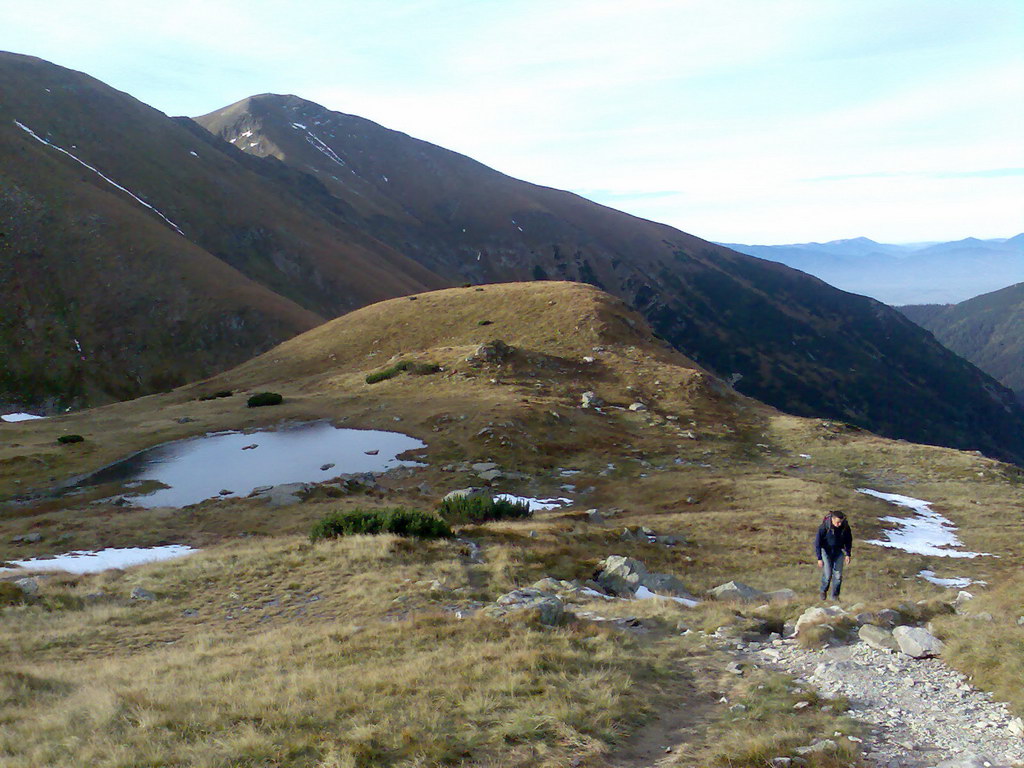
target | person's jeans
[{"x": 832, "y": 571}]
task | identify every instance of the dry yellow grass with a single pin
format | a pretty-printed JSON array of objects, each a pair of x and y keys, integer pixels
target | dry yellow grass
[{"x": 377, "y": 671}]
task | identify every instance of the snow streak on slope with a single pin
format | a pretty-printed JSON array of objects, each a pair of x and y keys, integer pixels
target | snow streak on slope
[{"x": 107, "y": 179}]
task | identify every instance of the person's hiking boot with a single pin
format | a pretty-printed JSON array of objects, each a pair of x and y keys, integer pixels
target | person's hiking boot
[{"x": 824, "y": 594}]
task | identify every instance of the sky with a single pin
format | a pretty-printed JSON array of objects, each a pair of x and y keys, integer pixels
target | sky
[{"x": 747, "y": 121}]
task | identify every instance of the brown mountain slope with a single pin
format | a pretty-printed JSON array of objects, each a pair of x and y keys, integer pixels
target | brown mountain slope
[
  {"x": 785, "y": 337},
  {"x": 988, "y": 330},
  {"x": 167, "y": 253}
]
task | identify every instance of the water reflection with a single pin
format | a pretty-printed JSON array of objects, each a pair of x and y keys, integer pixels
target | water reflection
[{"x": 202, "y": 467}]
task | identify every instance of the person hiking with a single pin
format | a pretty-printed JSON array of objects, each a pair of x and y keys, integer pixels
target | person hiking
[{"x": 833, "y": 546}]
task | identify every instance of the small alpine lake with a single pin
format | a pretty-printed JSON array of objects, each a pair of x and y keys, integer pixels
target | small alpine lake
[{"x": 234, "y": 463}]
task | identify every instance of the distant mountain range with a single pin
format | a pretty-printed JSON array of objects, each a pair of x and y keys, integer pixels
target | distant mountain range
[
  {"x": 919, "y": 273},
  {"x": 141, "y": 251},
  {"x": 988, "y": 330}
]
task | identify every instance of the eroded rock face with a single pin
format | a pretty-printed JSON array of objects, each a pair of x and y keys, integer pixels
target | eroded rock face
[
  {"x": 917, "y": 642},
  {"x": 546, "y": 607},
  {"x": 734, "y": 590}
]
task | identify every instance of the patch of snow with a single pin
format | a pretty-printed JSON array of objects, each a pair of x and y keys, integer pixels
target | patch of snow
[
  {"x": 246, "y": 135},
  {"x": 535, "y": 504},
  {"x": 107, "y": 179},
  {"x": 384, "y": 177},
  {"x": 78, "y": 346},
  {"x": 643, "y": 593},
  {"x": 594, "y": 593},
  {"x": 192, "y": 152},
  {"x": 926, "y": 533},
  {"x": 103, "y": 560},
  {"x": 317, "y": 144},
  {"x": 957, "y": 582},
  {"x": 805, "y": 455},
  {"x": 254, "y": 144},
  {"x": 299, "y": 126},
  {"x": 13, "y": 417}
]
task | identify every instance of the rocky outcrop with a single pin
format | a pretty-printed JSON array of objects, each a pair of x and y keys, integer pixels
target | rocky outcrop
[
  {"x": 625, "y": 577},
  {"x": 529, "y": 603}
]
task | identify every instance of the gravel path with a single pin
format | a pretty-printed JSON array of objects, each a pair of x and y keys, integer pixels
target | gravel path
[{"x": 920, "y": 712}]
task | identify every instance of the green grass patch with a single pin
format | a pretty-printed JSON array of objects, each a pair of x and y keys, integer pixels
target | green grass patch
[
  {"x": 215, "y": 395},
  {"x": 462, "y": 510},
  {"x": 66, "y": 439},
  {"x": 402, "y": 366},
  {"x": 401, "y": 522}
]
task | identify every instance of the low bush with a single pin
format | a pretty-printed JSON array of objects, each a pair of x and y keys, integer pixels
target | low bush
[
  {"x": 11, "y": 594},
  {"x": 215, "y": 395},
  {"x": 264, "y": 398},
  {"x": 402, "y": 522},
  {"x": 479, "y": 509},
  {"x": 70, "y": 439},
  {"x": 416, "y": 369}
]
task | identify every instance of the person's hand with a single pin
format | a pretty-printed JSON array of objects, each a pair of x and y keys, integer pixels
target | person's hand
[
  {"x": 821, "y": 564},
  {"x": 847, "y": 559}
]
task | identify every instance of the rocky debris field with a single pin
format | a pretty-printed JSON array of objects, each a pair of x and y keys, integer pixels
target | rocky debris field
[{"x": 920, "y": 712}]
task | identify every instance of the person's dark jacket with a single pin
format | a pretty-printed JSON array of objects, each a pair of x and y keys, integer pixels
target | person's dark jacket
[{"x": 833, "y": 541}]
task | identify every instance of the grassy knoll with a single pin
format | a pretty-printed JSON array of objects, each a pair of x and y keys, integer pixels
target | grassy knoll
[{"x": 266, "y": 649}]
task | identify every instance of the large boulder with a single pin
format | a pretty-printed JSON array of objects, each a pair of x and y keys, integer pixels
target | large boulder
[
  {"x": 917, "y": 642},
  {"x": 814, "y": 616},
  {"x": 495, "y": 351},
  {"x": 284, "y": 495},
  {"x": 28, "y": 586},
  {"x": 734, "y": 590},
  {"x": 878, "y": 638},
  {"x": 621, "y": 575},
  {"x": 529, "y": 602}
]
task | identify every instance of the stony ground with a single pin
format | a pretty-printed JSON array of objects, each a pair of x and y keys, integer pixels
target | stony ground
[{"x": 921, "y": 712}]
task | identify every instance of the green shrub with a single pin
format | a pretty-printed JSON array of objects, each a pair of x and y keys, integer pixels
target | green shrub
[
  {"x": 264, "y": 398},
  {"x": 70, "y": 439},
  {"x": 215, "y": 395},
  {"x": 416, "y": 369},
  {"x": 485, "y": 322},
  {"x": 403, "y": 522},
  {"x": 480, "y": 509}
]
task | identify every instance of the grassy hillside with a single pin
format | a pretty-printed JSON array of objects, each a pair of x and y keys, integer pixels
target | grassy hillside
[
  {"x": 166, "y": 253},
  {"x": 267, "y": 650},
  {"x": 786, "y": 338},
  {"x": 988, "y": 330}
]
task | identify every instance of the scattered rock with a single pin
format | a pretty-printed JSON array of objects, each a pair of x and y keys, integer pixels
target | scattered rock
[
  {"x": 546, "y": 607},
  {"x": 734, "y": 590},
  {"x": 28, "y": 586},
  {"x": 138, "y": 593},
  {"x": 967, "y": 761},
  {"x": 1016, "y": 727},
  {"x": 225, "y": 492},
  {"x": 816, "y": 616},
  {"x": 819, "y": 747},
  {"x": 887, "y": 616},
  {"x": 781, "y": 596},
  {"x": 879, "y": 638},
  {"x": 621, "y": 575},
  {"x": 590, "y": 400},
  {"x": 734, "y": 668},
  {"x": 780, "y": 762},
  {"x": 250, "y": 447},
  {"x": 495, "y": 351},
  {"x": 27, "y": 538},
  {"x": 491, "y": 475},
  {"x": 665, "y": 584},
  {"x": 285, "y": 494},
  {"x": 962, "y": 598},
  {"x": 593, "y": 516},
  {"x": 917, "y": 642},
  {"x": 184, "y": 420},
  {"x": 637, "y": 407},
  {"x": 484, "y": 466},
  {"x": 325, "y": 467}
]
